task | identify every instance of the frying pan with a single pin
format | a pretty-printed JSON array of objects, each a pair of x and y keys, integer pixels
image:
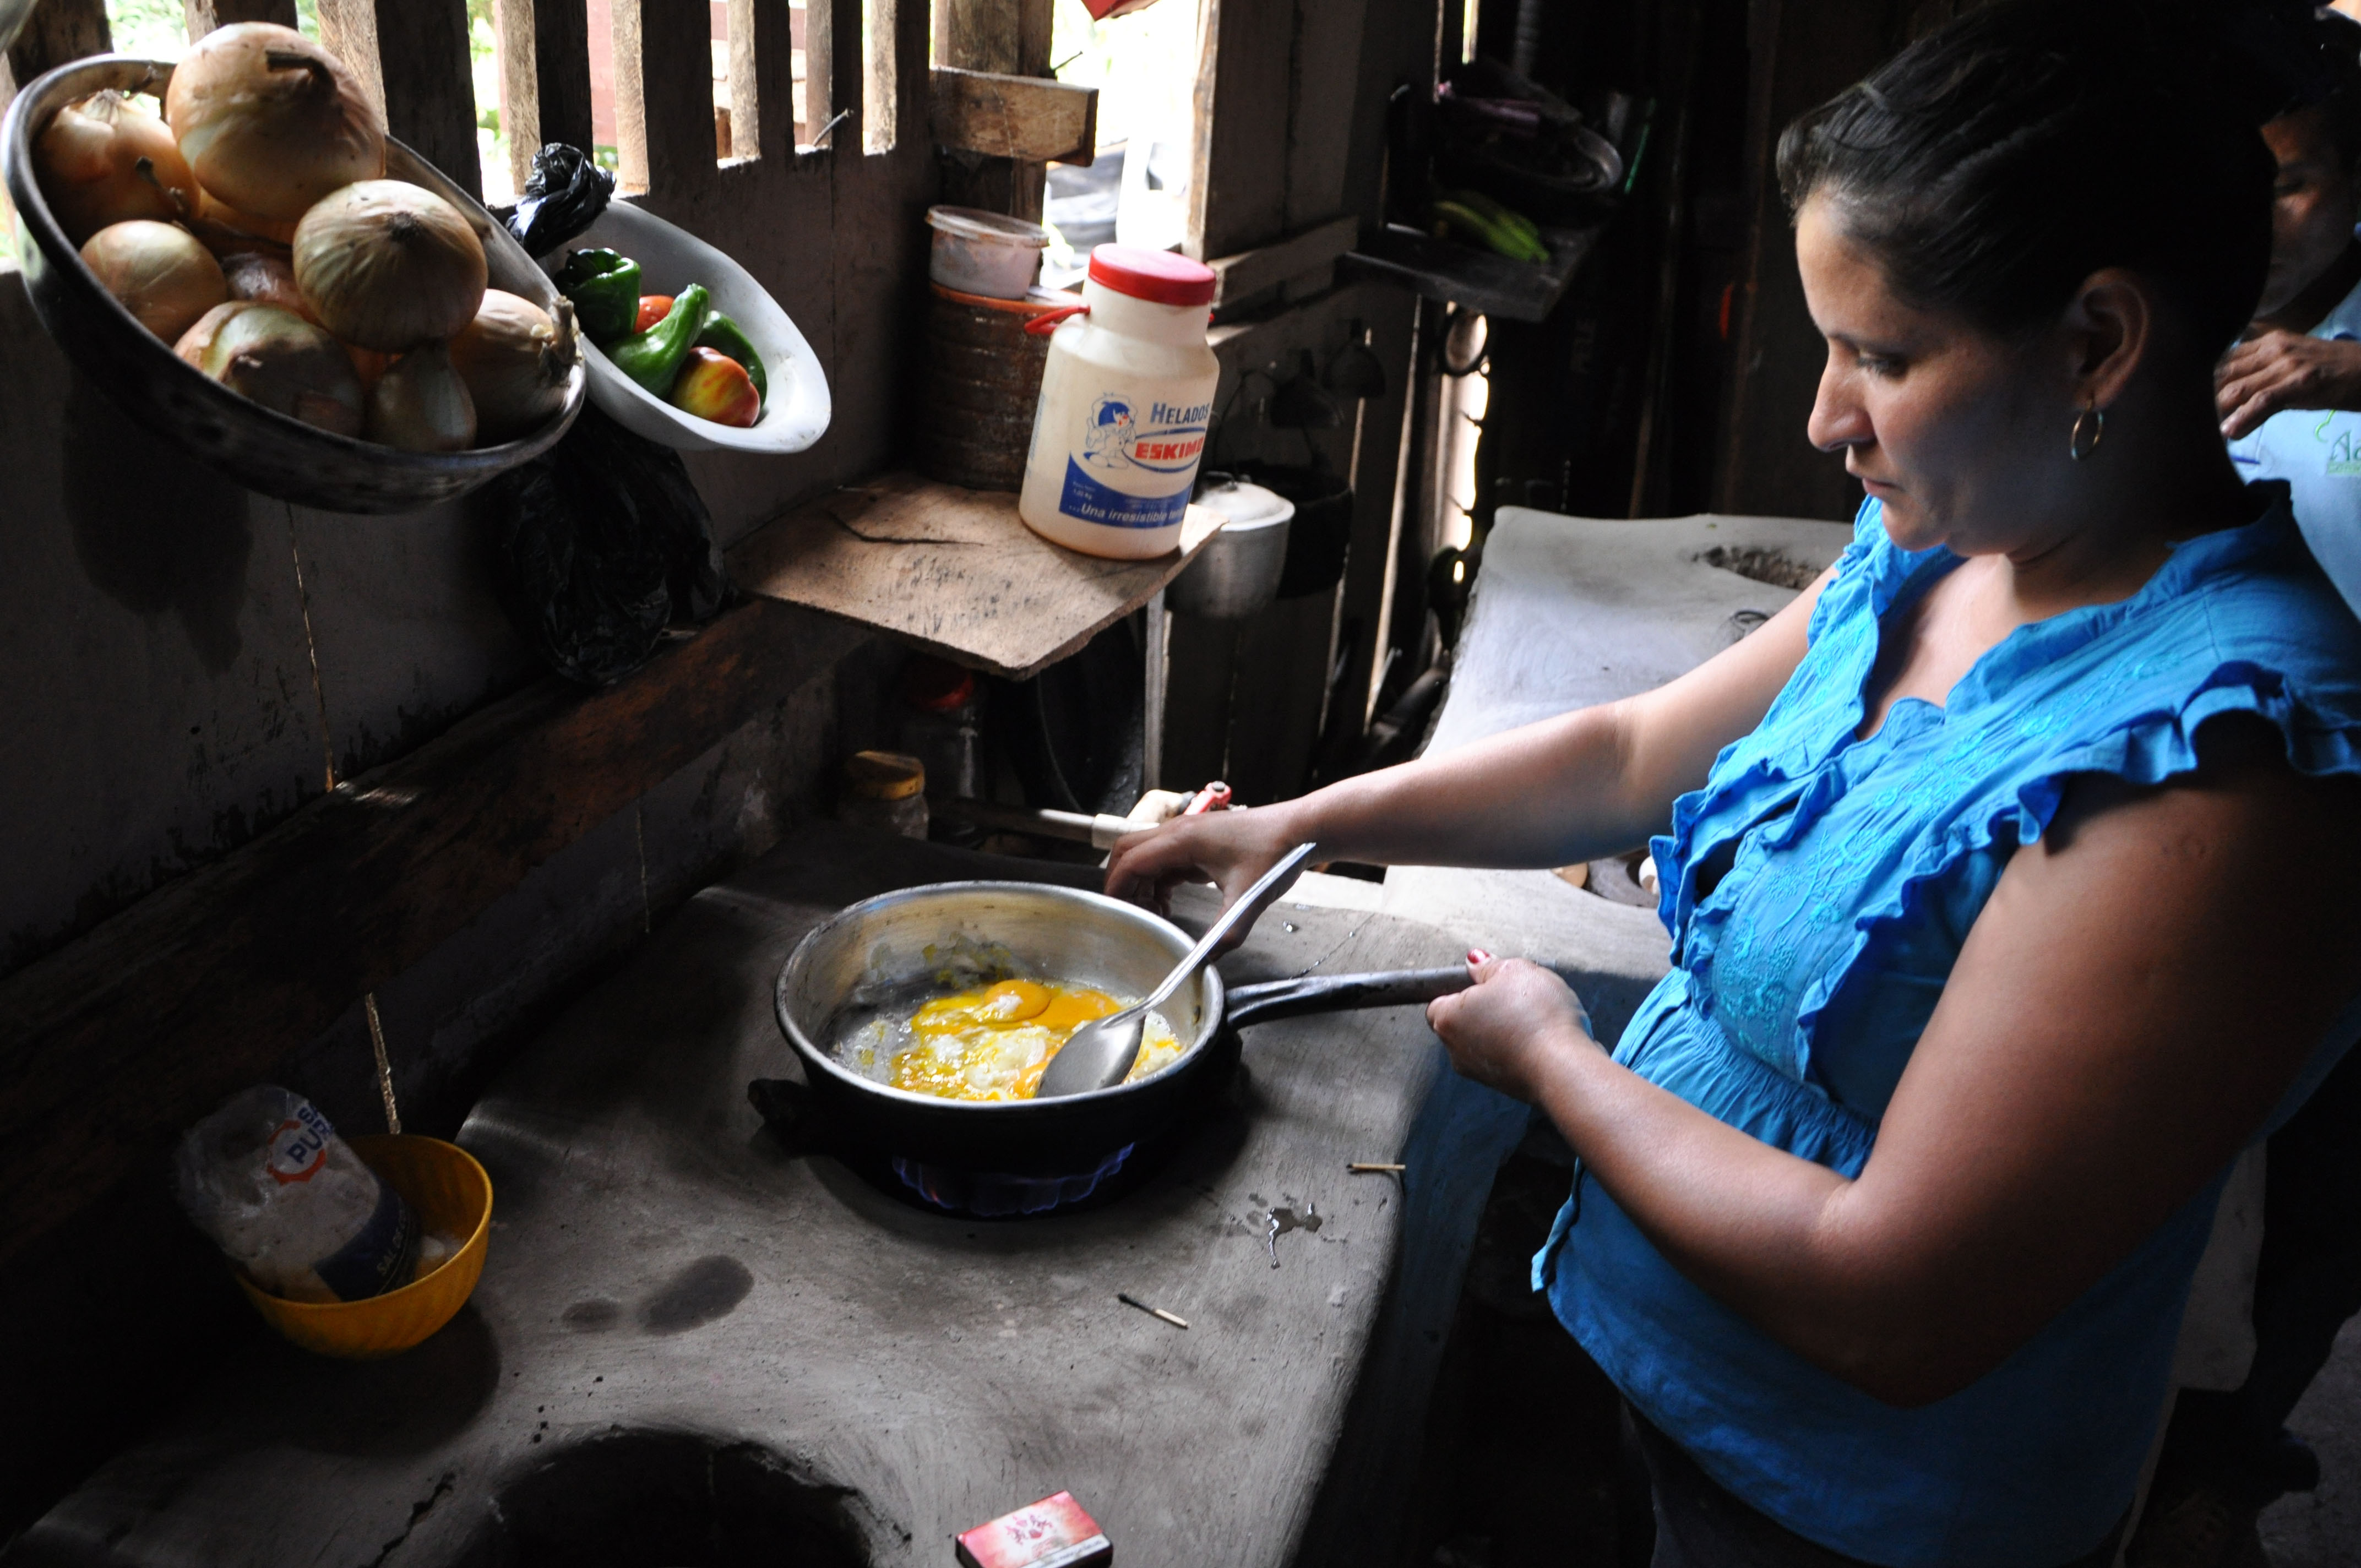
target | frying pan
[{"x": 885, "y": 954}]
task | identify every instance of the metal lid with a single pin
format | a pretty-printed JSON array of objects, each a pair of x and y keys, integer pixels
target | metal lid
[{"x": 1247, "y": 506}]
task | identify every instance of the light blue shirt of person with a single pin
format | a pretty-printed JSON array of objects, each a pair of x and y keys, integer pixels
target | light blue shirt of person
[{"x": 2318, "y": 452}]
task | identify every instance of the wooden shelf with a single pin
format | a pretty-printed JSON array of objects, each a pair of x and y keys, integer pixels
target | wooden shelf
[
  {"x": 1476, "y": 280},
  {"x": 953, "y": 571}
]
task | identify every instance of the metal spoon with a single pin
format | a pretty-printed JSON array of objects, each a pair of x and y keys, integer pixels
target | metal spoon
[{"x": 1101, "y": 1052}]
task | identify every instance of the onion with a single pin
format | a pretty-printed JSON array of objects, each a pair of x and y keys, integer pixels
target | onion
[
  {"x": 388, "y": 266},
  {"x": 105, "y": 161},
  {"x": 515, "y": 361},
  {"x": 269, "y": 121},
  {"x": 160, "y": 273},
  {"x": 225, "y": 229},
  {"x": 279, "y": 360},
  {"x": 368, "y": 364},
  {"x": 420, "y": 404},
  {"x": 262, "y": 275}
]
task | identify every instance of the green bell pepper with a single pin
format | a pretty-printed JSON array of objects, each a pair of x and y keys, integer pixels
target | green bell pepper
[
  {"x": 605, "y": 287},
  {"x": 726, "y": 336},
  {"x": 653, "y": 357}
]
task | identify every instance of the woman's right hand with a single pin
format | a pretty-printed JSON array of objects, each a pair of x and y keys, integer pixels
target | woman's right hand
[{"x": 1230, "y": 849}]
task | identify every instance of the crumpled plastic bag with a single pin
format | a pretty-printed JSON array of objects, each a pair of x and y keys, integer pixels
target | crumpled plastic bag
[
  {"x": 563, "y": 196},
  {"x": 266, "y": 1178},
  {"x": 600, "y": 543}
]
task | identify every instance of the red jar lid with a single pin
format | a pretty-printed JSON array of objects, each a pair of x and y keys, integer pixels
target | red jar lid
[
  {"x": 1159, "y": 276},
  {"x": 935, "y": 685}
]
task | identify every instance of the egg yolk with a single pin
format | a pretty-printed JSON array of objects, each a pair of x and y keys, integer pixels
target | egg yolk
[{"x": 993, "y": 1043}]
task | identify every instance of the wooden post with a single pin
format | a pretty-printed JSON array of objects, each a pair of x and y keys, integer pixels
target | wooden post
[
  {"x": 545, "y": 78},
  {"x": 664, "y": 94},
  {"x": 746, "y": 21},
  {"x": 1238, "y": 185},
  {"x": 1011, "y": 38},
  {"x": 425, "y": 84},
  {"x": 204, "y": 16},
  {"x": 820, "y": 70},
  {"x": 57, "y": 32}
]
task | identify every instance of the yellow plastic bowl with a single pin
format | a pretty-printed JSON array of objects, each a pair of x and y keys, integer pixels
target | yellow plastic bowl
[{"x": 453, "y": 1195}]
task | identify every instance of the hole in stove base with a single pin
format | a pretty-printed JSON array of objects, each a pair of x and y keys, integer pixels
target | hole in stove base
[{"x": 649, "y": 1499}]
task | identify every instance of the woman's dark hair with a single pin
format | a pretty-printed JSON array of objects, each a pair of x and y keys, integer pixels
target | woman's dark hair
[{"x": 1996, "y": 163}]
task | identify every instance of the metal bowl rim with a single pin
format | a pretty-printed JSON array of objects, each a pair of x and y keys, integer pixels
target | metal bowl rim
[
  {"x": 17, "y": 138},
  {"x": 811, "y": 1054}
]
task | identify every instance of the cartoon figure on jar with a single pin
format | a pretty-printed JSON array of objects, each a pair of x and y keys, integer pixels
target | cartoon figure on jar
[{"x": 1109, "y": 442}]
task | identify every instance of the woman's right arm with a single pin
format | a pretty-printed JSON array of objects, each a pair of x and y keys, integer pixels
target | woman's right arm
[{"x": 1590, "y": 782}]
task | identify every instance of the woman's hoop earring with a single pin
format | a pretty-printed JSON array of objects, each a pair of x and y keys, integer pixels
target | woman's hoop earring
[{"x": 2092, "y": 422}]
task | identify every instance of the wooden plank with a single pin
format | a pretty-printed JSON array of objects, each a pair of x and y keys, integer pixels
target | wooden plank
[
  {"x": 663, "y": 95},
  {"x": 109, "y": 1046},
  {"x": 1250, "y": 272},
  {"x": 1023, "y": 117},
  {"x": 747, "y": 19},
  {"x": 954, "y": 570},
  {"x": 1320, "y": 107},
  {"x": 820, "y": 70},
  {"x": 1238, "y": 196},
  {"x": 204, "y": 16},
  {"x": 1009, "y": 38},
  {"x": 425, "y": 84},
  {"x": 676, "y": 87},
  {"x": 545, "y": 60},
  {"x": 57, "y": 32}
]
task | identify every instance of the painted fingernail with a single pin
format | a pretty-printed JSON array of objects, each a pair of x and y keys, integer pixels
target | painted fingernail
[{"x": 1479, "y": 956}]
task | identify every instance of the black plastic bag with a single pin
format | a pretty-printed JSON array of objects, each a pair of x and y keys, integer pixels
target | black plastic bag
[
  {"x": 565, "y": 195},
  {"x": 598, "y": 544}
]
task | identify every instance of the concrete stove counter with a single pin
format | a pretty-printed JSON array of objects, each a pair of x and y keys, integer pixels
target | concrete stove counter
[{"x": 692, "y": 1345}]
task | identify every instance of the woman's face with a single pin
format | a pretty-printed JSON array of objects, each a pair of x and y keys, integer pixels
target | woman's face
[
  {"x": 1961, "y": 433},
  {"x": 2314, "y": 205}
]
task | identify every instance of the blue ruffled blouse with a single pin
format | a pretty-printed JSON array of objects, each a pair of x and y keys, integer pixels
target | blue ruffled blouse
[{"x": 1817, "y": 890}]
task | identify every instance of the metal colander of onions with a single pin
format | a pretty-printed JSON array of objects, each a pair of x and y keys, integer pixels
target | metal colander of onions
[{"x": 253, "y": 229}]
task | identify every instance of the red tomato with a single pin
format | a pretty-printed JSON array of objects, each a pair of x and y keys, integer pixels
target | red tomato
[
  {"x": 714, "y": 386},
  {"x": 654, "y": 308}
]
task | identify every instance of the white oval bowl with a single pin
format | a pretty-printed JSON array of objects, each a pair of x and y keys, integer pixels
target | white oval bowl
[{"x": 796, "y": 413}]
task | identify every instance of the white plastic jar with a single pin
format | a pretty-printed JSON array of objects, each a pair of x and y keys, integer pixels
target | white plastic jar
[{"x": 1126, "y": 400}]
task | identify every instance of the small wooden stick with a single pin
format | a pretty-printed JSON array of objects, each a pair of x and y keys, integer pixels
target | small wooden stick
[
  {"x": 1373, "y": 1168},
  {"x": 1175, "y": 1320}
]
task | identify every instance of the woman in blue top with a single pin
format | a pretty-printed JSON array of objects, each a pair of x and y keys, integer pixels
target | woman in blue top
[{"x": 2007, "y": 869}]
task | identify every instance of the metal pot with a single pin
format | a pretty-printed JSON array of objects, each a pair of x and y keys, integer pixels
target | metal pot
[
  {"x": 892, "y": 950},
  {"x": 1236, "y": 574}
]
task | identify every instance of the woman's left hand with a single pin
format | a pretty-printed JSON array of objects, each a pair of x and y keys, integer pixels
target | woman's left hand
[{"x": 1504, "y": 1030}]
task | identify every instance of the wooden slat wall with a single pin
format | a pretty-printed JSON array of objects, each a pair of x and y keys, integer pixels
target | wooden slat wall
[
  {"x": 544, "y": 79},
  {"x": 204, "y": 16},
  {"x": 411, "y": 57}
]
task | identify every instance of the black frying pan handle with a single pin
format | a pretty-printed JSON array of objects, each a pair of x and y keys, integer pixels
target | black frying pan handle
[{"x": 1266, "y": 999}]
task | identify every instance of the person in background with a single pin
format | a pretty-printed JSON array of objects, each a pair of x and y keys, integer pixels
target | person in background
[
  {"x": 2289, "y": 392},
  {"x": 2290, "y": 397}
]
